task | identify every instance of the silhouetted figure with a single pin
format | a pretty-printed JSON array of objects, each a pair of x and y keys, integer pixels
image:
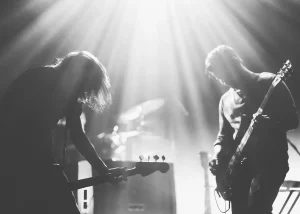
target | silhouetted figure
[
  {"x": 258, "y": 179},
  {"x": 29, "y": 111}
]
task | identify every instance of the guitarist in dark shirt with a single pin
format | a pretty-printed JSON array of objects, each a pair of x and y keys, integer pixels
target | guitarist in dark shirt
[
  {"x": 29, "y": 111},
  {"x": 257, "y": 180}
]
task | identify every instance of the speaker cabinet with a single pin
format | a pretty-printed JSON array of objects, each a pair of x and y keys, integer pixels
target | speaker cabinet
[{"x": 153, "y": 194}]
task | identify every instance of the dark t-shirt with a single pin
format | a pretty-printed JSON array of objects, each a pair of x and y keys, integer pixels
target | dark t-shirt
[
  {"x": 235, "y": 114},
  {"x": 29, "y": 111}
]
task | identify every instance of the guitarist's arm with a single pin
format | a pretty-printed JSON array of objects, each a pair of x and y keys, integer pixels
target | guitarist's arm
[
  {"x": 224, "y": 137},
  {"x": 84, "y": 146},
  {"x": 285, "y": 113},
  {"x": 288, "y": 118}
]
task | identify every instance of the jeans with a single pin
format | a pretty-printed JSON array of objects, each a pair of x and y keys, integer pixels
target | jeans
[{"x": 254, "y": 191}]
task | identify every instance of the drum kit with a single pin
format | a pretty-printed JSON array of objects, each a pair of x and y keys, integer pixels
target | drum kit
[
  {"x": 132, "y": 123},
  {"x": 141, "y": 130}
]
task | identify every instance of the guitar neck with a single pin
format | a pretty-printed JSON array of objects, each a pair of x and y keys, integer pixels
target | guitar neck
[
  {"x": 141, "y": 168},
  {"x": 96, "y": 180},
  {"x": 238, "y": 153},
  {"x": 267, "y": 97}
]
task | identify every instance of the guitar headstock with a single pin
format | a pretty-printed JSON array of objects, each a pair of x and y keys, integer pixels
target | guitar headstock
[
  {"x": 148, "y": 167},
  {"x": 285, "y": 72}
]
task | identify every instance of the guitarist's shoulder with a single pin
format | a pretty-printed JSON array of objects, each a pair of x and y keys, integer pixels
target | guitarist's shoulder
[
  {"x": 227, "y": 95},
  {"x": 265, "y": 78}
]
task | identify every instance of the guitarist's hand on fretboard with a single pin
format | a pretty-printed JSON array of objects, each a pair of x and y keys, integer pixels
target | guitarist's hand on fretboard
[
  {"x": 116, "y": 175},
  {"x": 121, "y": 173},
  {"x": 262, "y": 120}
]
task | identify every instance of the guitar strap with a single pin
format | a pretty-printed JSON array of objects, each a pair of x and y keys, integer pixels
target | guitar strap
[{"x": 63, "y": 162}]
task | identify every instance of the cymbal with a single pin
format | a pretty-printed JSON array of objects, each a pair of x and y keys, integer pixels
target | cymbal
[
  {"x": 121, "y": 134},
  {"x": 144, "y": 108},
  {"x": 122, "y": 137},
  {"x": 130, "y": 114}
]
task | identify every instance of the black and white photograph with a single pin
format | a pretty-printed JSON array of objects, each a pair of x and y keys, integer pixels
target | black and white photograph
[{"x": 149, "y": 106}]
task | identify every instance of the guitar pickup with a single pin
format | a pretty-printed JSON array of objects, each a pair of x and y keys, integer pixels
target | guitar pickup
[{"x": 136, "y": 207}]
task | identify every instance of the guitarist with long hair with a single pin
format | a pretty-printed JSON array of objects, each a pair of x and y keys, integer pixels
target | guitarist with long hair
[
  {"x": 263, "y": 163},
  {"x": 29, "y": 112}
]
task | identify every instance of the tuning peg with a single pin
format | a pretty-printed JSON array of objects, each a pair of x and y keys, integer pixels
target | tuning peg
[
  {"x": 156, "y": 157},
  {"x": 163, "y": 158},
  {"x": 141, "y": 157}
]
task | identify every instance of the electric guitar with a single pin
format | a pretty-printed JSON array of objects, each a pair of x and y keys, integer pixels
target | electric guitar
[
  {"x": 225, "y": 171},
  {"x": 141, "y": 168}
]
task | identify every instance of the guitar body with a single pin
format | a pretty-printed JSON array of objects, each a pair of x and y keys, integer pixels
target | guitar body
[
  {"x": 226, "y": 168},
  {"x": 224, "y": 179}
]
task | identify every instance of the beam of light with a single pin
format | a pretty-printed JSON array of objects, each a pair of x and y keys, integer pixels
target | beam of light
[{"x": 43, "y": 29}]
